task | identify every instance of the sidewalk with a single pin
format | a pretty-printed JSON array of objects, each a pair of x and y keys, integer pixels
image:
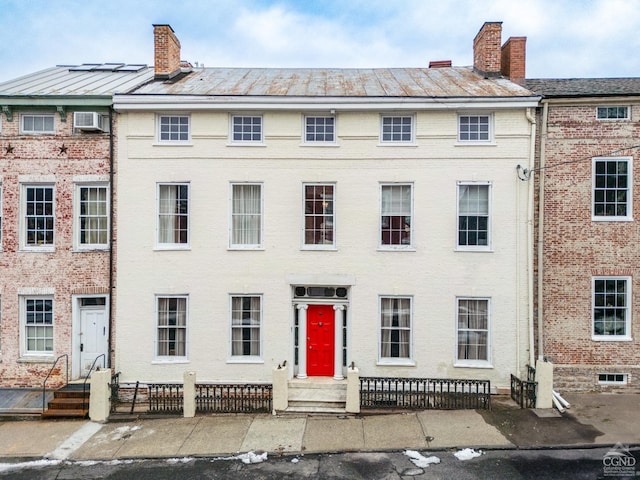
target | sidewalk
[{"x": 613, "y": 418}]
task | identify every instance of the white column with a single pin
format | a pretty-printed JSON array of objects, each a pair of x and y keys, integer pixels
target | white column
[
  {"x": 302, "y": 340},
  {"x": 337, "y": 358}
]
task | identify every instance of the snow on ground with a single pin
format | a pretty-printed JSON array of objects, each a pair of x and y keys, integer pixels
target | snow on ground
[
  {"x": 420, "y": 460},
  {"x": 467, "y": 454},
  {"x": 5, "y": 467}
]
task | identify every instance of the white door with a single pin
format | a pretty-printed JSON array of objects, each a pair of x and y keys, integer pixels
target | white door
[{"x": 94, "y": 335}]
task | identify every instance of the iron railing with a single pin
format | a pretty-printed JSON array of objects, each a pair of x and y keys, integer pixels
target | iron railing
[
  {"x": 165, "y": 398},
  {"x": 236, "y": 398},
  {"x": 424, "y": 393},
  {"x": 523, "y": 392},
  {"x": 44, "y": 384},
  {"x": 531, "y": 374},
  {"x": 114, "y": 386}
]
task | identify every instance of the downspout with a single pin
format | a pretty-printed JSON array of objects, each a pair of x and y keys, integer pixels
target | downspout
[
  {"x": 111, "y": 242},
  {"x": 530, "y": 247},
  {"x": 543, "y": 141}
]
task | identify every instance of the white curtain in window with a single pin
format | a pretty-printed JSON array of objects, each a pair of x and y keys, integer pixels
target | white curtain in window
[
  {"x": 167, "y": 233},
  {"x": 245, "y": 326},
  {"x": 246, "y": 215},
  {"x": 94, "y": 214},
  {"x": 396, "y": 327},
  {"x": 473, "y": 329},
  {"x": 172, "y": 323},
  {"x": 473, "y": 200},
  {"x": 396, "y": 200}
]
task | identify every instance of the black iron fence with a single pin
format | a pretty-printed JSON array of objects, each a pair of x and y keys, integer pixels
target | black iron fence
[
  {"x": 114, "y": 398},
  {"x": 236, "y": 398},
  {"x": 424, "y": 393},
  {"x": 165, "y": 398},
  {"x": 523, "y": 392}
]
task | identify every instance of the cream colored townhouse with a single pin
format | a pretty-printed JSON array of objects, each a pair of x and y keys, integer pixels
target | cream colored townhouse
[{"x": 319, "y": 218}]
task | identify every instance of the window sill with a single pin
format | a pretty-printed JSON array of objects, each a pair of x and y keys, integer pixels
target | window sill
[
  {"x": 91, "y": 249},
  {"x": 246, "y": 144},
  {"x": 611, "y": 338},
  {"x": 398, "y": 144},
  {"x": 396, "y": 249},
  {"x": 173, "y": 144},
  {"x": 319, "y": 248},
  {"x": 474, "y": 250},
  {"x": 170, "y": 361},
  {"x": 37, "y": 250},
  {"x": 246, "y": 360},
  {"x": 611, "y": 219},
  {"x": 246, "y": 249},
  {"x": 396, "y": 363},
  {"x": 36, "y": 359},
  {"x": 476, "y": 144},
  {"x": 171, "y": 248},
  {"x": 319, "y": 144},
  {"x": 484, "y": 365}
]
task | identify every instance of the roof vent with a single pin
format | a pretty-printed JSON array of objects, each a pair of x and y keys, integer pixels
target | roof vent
[
  {"x": 439, "y": 63},
  {"x": 90, "y": 121}
]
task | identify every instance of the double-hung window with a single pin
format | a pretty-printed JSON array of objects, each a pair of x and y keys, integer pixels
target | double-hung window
[
  {"x": 246, "y": 326},
  {"x": 174, "y": 128},
  {"x": 319, "y": 216},
  {"x": 396, "y": 207},
  {"x": 611, "y": 308},
  {"x": 473, "y": 216},
  {"x": 319, "y": 129},
  {"x": 173, "y": 215},
  {"x": 246, "y": 129},
  {"x": 397, "y": 129},
  {"x": 612, "y": 113},
  {"x": 171, "y": 317},
  {"x": 395, "y": 330},
  {"x": 612, "y": 188},
  {"x": 38, "y": 325},
  {"x": 246, "y": 215},
  {"x": 34, "y": 124},
  {"x": 472, "y": 328},
  {"x": 474, "y": 128},
  {"x": 93, "y": 216},
  {"x": 38, "y": 218}
]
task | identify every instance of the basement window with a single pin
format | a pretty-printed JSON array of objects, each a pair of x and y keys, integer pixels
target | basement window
[
  {"x": 612, "y": 378},
  {"x": 612, "y": 113}
]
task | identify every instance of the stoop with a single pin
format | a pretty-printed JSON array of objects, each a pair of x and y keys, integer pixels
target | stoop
[{"x": 317, "y": 395}]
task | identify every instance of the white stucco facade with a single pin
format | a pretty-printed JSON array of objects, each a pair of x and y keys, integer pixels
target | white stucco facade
[{"x": 432, "y": 272}]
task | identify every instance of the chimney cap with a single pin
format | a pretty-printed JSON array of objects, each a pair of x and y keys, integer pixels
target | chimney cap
[{"x": 162, "y": 25}]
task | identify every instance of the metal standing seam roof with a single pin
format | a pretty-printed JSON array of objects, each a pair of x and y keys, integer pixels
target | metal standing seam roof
[
  {"x": 584, "y": 87},
  {"x": 447, "y": 82},
  {"x": 79, "y": 80}
]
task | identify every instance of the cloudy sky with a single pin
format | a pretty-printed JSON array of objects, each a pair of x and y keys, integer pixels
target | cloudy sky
[{"x": 565, "y": 38}]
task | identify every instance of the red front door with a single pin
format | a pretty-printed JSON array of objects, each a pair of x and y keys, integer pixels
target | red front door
[{"x": 320, "y": 340}]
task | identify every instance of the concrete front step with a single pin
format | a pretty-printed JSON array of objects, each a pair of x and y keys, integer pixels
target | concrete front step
[
  {"x": 317, "y": 395},
  {"x": 333, "y": 410}
]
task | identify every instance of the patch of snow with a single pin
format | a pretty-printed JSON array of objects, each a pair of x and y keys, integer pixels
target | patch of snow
[
  {"x": 251, "y": 457},
  {"x": 467, "y": 454},
  {"x": 420, "y": 460},
  {"x": 5, "y": 467},
  {"x": 179, "y": 460},
  {"x": 295, "y": 460}
]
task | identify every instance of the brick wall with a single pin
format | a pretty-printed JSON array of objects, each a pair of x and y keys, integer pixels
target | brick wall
[{"x": 486, "y": 48}]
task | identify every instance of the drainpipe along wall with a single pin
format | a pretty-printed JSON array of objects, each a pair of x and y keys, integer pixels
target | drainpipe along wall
[
  {"x": 530, "y": 248},
  {"x": 543, "y": 141},
  {"x": 111, "y": 194}
]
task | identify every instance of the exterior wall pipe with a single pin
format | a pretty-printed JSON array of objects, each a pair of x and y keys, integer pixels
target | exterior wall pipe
[
  {"x": 530, "y": 247},
  {"x": 543, "y": 141},
  {"x": 111, "y": 223}
]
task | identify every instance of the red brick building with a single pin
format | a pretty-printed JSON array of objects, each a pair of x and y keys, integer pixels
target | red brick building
[
  {"x": 56, "y": 211},
  {"x": 588, "y": 180}
]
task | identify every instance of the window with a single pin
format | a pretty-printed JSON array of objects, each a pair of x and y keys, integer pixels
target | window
[
  {"x": 246, "y": 216},
  {"x": 612, "y": 113},
  {"x": 612, "y": 189},
  {"x": 93, "y": 216},
  {"x": 38, "y": 216},
  {"x": 34, "y": 124},
  {"x": 246, "y": 128},
  {"x": 397, "y": 129},
  {"x": 395, "y": 216},
  {"x": 611, "y": 308},
  {"x": 474, "y": 128},
  {"x": 319, "y": 129},
  {"x": 472, "y": 328},
  {"x": 38, "y": 324},
  {"x": 172, "y": 326},
  {"x": 612, "y": 378},
  {"x": 173, "y": 128},
  {"x": 473, "y": 216},
  {"x": 395, "y": 329},
  {"x": 319, "y": 219},
  {"x": 173, "y": 215},
  {"x": 246, "y": 322}
]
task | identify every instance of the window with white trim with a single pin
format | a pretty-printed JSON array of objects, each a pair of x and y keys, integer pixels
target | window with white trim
[
  {"x": 611, "y": 308},
  {"x": 612, "y": 188},
  {"x": 395, "y": 329},
  {"x": 396, "y": 129},
  {"x": 319, "y": 129},
  {"x": 33, "y": 124},
  {"x": 246, "y": 215},
  {"x": 473, "y": 216},
  {"x": 38, "y": 325},
  {"x": 612, "y": 378},
  {"x": 92, "y": 216},
  {"x": 319, "y": 215},
  {"x": 171, "y": 315},
  {"x": 173, "y": 215},
  {"x": 174, "y": 128},
  {"x": 246, "y": 326},
  {"x": 396, "y": 211},
  {"x": 617, "y": 112},
  {"x": 246, "y": 128},
  {"x": 472, "y": 331},
  {"x": 474, "y": 128},
  {"x": 38, "y": 216}
]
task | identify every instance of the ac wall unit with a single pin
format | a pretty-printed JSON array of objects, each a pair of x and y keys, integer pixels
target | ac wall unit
[{"x": 87, "y": 121}]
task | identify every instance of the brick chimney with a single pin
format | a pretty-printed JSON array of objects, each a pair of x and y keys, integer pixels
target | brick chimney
[
  {"x": 166, "y": 52},
  {"x": 513, "y": 59},
  {"x": 486, "y": 49}
]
